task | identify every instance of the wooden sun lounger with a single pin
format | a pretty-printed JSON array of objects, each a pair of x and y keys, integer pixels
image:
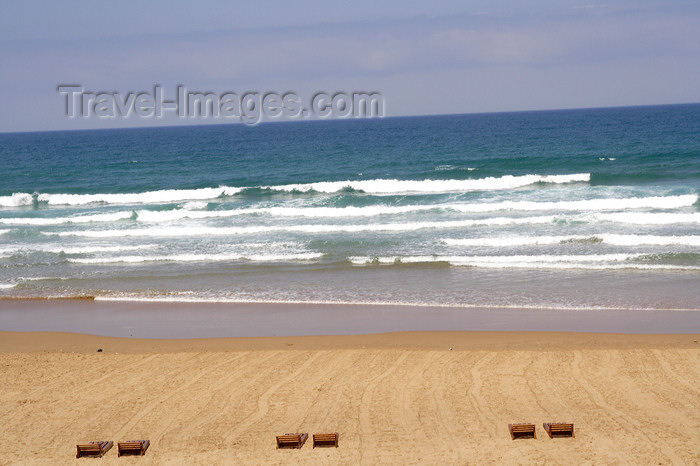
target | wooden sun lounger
[
  {"x": 133, "y": 447},
  {"x": 521, "y": 431},
  {"x": 559, "y": 429},
  {"x": 296, "y": 440},
  {"x": 326, "y": 440},
  {"x": 93, "y": 449}
]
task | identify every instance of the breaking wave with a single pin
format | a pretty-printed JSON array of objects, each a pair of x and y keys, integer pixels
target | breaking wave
[{"x": 378, "y": 186}]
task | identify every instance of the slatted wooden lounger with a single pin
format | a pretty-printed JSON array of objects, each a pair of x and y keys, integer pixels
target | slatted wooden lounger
[
  {"x": 296, "y": 440},
  {"x": 521, "y": 430},
  {"x": 559, "y": 429},
  {"x": 326, "y": 440},
  {"x": 93, "y": 449},
  {"x": 133, "y": 447}
]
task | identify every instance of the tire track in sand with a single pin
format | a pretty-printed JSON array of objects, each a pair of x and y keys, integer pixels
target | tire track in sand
[
  {"x": 408, "y": 388},
  {"x": 263, "y": 401},
  {"x": 231, "y": 375},
  {"x": 637, "y": 429},
  {"x": 487, "y": 418},
  {"x": 128, "y": 368},
  {"x": 331, "y": 406},
  {"x": 366, "y": 402},
  {"x": 63, "y": 383},
  {"x": 154, "y": 404},
  {"x": 671, "y": 372},
  {"x": 447, "y": 418},
  {"x": 66, "y": 378}
]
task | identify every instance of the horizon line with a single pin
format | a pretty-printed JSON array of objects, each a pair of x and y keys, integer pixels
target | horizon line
[{"x": 429, "y": 115}]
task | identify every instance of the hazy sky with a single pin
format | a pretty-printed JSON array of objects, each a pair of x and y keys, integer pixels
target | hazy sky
[{"x": 424, "y": 57}]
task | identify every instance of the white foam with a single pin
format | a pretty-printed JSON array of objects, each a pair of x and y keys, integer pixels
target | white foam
[
  {"x": 655, "y": 202},
  {"x": 385, "y": 186},
  {"x": 309, "y": 212},
  {"x": 2, "y": 232},
  {"x": 16, "y": 200},
  {"x": 34, "y": 279},
  {"x": 230, "y": 300},
  {"x": 149, "y": 197},
  {"x": 507, "y": 241},
  {"x": 493, "y": 259},
  {"x": 593, "y": 261},
  {"x": 442, "y": 168},
  {"x": 57, "y": 249},
  {"x": 341, "y": 212},
  {"x": 377, "y": 186},
  {"x": 649, "y": 218},
  {"x": 617, "y": 240},
  {"x": 186, "y": 231},
  {"x": 637, "y": 240},
  {"x": 7, "y": 286},
  {"x": 195, "y": 205},
  {"x": 201, "y": 258},
  {"x": 667, "y": 202},
  {"x": 109, "y": 217}
]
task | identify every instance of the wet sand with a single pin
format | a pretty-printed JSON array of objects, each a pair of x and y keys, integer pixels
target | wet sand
[
  {"x": 396, "y": 398},
  {"x": 141, "y": 319}
]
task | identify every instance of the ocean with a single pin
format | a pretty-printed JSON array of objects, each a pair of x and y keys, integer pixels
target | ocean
[{"x": 573, "y": 209}]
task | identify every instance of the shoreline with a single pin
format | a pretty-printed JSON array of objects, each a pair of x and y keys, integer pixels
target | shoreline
[
  {"x": 181, "y": 320},
  {"x": 234, "y": 302},
  {"x": 87, "y": 297}
]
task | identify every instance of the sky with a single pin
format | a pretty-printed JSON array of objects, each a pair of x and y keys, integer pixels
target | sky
[{"x": 423, "y": 57}]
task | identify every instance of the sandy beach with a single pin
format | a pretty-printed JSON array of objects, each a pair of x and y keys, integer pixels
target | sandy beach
[
  {"x": 395, "y": 398},
  {"x": 410, "y": 224}
]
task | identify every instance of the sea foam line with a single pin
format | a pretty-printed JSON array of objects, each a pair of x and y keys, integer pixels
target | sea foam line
[
  {"x": 493, "y": 259},
  {"x": 58, "y": 249},
  {"x": 162, "y": 196},
  {"x": 310, "y": 228},
  {"x": 35, "y": 279},
  {"x": 148, "y": 197},
  {"x": 643, "y": 218},
  {"x": 189, "y": 212},
  {"x": 385, "y": 186},
  {"x": 201, "y": 258},
  {"x": 594, "y": 262},
  {"x": 16, "y": 200},
  {"x": 378, "y": 186},
  {"x": 109, "y": 217},
  {"x": 617, "y": 240},
  {"x": 228, "y": 300},
  {"x": 653, "y": 202},
  {"x": 657, "y": 202},
  {"x": 634, "y": 218}
]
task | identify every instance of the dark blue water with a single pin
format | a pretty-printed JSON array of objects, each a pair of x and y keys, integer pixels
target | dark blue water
[{"x": 650, "y": 144}]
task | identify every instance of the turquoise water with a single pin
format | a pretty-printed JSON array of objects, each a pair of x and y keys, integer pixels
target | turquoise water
[{"x": 583, "y": 209}]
